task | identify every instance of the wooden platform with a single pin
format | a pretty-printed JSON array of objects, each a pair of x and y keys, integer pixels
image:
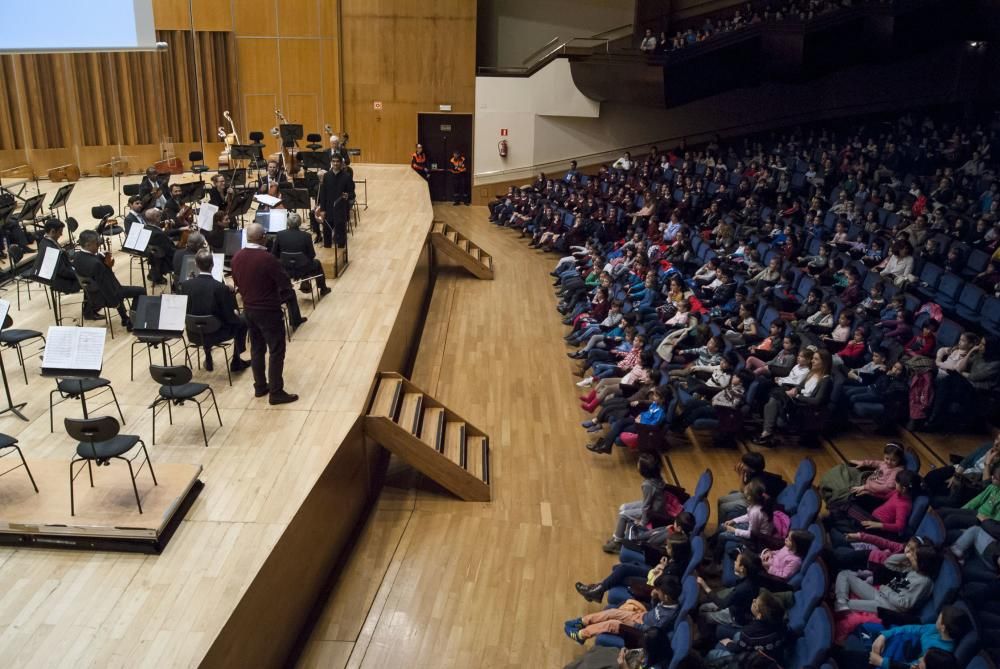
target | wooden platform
[
  {"x": 107, "y": 517},
  {"x": 284, "y": 485}
]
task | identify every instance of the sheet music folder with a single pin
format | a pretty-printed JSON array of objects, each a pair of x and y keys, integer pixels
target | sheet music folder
[
  {"x": 160, "y": 314},
  {"x": 73, "y": 352}
]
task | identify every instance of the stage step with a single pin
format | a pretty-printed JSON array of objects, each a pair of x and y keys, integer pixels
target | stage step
[
  {"x": 430, "y": 437},
  {"x": 449, "y": 242}
]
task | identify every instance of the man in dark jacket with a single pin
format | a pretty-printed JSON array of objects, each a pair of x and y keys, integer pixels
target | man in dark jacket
[
  {"x": 208, "y": 297},
  {"x": 294, "y": 240},
  {"x": 63, "y": 278},
  {"x": 160, "y": 248},
  {"x": 107, "y": 291},
  {"x": 336, "y": 197}
]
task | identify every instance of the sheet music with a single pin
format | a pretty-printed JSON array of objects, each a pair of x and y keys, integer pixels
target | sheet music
[
  {"x": 205, "y": 216},
  {"x": 243, "y": 238},
  {"x": 218, "y": 260},
  {"x": 278, "y": 220},
  {"x": 173, "y": 309},
  {"x": 69, "y": 347},
  {"x": 133, "y": 235},
  {"x": 49, "y": 261},
  {"x": 138, "y": 238},
  {"x": 269, "y": 200},
  {"x": 4, "y": 310}
]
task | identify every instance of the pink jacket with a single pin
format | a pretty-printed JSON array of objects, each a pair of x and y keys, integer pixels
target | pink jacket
[
  {"x": 893, "y": 513},
  {"x": 880, "y": 548},
  {"x": 784, "y": 563},
  {"x": 882, "y": 481},
  {"x": 758, "y": 524}
]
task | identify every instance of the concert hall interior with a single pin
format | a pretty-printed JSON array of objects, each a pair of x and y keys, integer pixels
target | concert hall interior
[{"x": 595, "y": 334}]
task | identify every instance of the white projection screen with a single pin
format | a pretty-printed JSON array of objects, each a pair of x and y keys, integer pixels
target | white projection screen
[{"x": 45, "y": 26}]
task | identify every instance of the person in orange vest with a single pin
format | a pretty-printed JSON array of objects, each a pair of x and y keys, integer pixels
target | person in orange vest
[
  {"x": 418, "y": 162},
  {"x": 459, "y": 173}
]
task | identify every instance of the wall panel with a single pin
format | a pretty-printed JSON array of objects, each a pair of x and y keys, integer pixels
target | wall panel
[
  {"x": 212, "y": 15},
  {"x": 256, "y": 17},
  {"x": 298, "y": 18}
]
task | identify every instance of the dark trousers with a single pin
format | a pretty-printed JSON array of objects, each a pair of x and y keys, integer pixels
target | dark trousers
[
  {"x": 235, "y": 332},
  {"x": 459, "y": 187},
  {"x": 315, "y": 268},
  {"x": 128, "y": 293},
  {"x": 267, "y": 337},
  {"x": 294, "y": 315}
]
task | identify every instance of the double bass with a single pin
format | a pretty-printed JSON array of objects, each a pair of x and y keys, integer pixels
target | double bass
[
  {"x": 287, "y": 157},
  {"x": 229, "y": 138}
]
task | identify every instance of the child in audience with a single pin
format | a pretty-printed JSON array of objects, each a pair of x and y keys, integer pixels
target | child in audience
[
  {"x": 876, "y": 478},
  {"x": 666, "y": 592},
  {"x": 910, "y": 584},
  {"x": 728, "y": 612},
  {"x": 787, "y": 560},
  {"x": 888, "y": 519},
  {"x": 764, "y": 634},
  {"x": 651, "y": 505}
]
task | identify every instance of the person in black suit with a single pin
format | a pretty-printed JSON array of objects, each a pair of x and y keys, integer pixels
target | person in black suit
[
  {"x": 295, "y": 240},
  {"x": 173, "y": 204},
  {"x": 107, "y": 290},
  {"x": 134, "y": 213},
  {"x": 195, "y": 243},
  {"x": 160, "y": 248},
  {"x": 275, "y": 176},
  {"x": 333, "y": 206},
  {"x": 150, "y": 184},
  {"x": 208, "y": 297},
  {"x": 63, "y": 278}
]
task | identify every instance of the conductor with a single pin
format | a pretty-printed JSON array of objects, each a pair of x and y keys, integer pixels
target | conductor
[{"x": 333, "y": 206}]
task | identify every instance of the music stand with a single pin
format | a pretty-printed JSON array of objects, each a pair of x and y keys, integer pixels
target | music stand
[
  {"x": 7, "y": 209},
  {"x": 241, "y": 204},
  {"x": 31, "y": 206},
  {"x": 290, "y": 132},
  {"x": 313, "y": 160},
  {"x": 61, "y": 198},
  {"x": 192, "y": 192},
  {"x": 11, "y": 407},
  {"x": 296, "y": 198}
]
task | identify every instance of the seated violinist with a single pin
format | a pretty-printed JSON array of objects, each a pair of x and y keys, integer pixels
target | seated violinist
[
  {"x": 106, "y": 291},
  {"x": 161, "y": 247}
]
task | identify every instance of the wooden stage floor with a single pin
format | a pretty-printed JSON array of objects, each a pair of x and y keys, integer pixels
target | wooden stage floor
[
  {"x": 436, "y": 582},
  {"x": 127, "y": 610}
]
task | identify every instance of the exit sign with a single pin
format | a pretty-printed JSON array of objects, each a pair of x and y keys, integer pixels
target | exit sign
[{"x": 377, "y": 105}]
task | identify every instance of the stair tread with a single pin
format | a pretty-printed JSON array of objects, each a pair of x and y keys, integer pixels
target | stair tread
[
  {"x": 429, "y": 430},
  {"x": 385, "y": 397},
  {"x": 474, "y": 449},
  {"x": 409, "y": 411},
  {"x": 437, "y": 227},
  {"x": 452, "y": 235},
  {"x": 474, "y": 251},
  {"x": 464, "y": 245},
  {"x": 454, "y": 435}
]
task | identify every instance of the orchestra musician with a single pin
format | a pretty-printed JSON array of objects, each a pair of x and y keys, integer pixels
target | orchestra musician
[
  {"x": 334, "y": 202},
  {"x": 97, "y": 267},
  {"x": 173, "y": 204},
  {"x": 153, "y": 185},
  {"x": 209, "y": 297},
  {"x": 219, "y": 194},
  {"x": 195, "y": 243},
  {"x": 274, "y": 176},
  {"x": 160, "y": 249},
  {"x": 418, "y": 162},
  {"x": 63, "y": 278},
  {"x": 337, "y": 148},
  {"x": 134, "y": 215},
  {"x": 217, "y": 235},
  {"x": 295, "y": 240}
]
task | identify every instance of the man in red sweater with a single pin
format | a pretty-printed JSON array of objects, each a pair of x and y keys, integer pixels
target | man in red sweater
[{"x": 262, "y": 281}]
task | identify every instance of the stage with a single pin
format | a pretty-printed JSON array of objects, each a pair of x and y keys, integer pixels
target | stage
[{"x": 284, "y": 486}]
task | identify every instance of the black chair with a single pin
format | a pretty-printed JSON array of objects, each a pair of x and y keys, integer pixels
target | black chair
[
  {"x": 107, "y": 226},
  {"x": 198, "y": 326},
  {"x": 11, "y": 338},
  {"x": 198, "y": 166},
  {"x": 314, "y": 140},
  {"x": 131, "y": 189},
  {"x": 94, "y": 298},
  {"x": 151, "y": 341},
  {"x": 72, "y": 225},
  {"x": 77, "y": 389},
  {"x": 176, "y": 387},
  {"x": 157, "y": 254},
  {"x": 99, "y": 443},
  {"x": 297, "y": 265},
  {"x": 9, "y": 445},
  {"x": 20, "y": 274}
]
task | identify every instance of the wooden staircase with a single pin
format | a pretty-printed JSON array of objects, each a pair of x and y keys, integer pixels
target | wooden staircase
[
  {"x": 448, "y": 241},
  {"x": 430, "y": 437}
]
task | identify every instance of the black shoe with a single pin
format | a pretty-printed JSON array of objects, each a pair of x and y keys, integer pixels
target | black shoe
[
  {"x": 95, "y": 315},
  {"x": 466, "y": 203},
  {"x": 127, "y": 324},
  {"x": 257, "y": 392},
  {"x": 305, "y": 287},
  {"x": 209, "y": 365},
  {"x": 239, "y": 365},
  {"x": 765, "y": 441},
  {"x": 596, "y": 447},
  {"x": 325, "y": 291},
  {"x": 455, "y": 204},
  {"x": 282, "y": 398},
  {"x": 592, "y": 593},
  {"x": 297, "y": 324}
]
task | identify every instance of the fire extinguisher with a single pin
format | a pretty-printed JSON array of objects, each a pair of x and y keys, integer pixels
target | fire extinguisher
[{"x": 502, "y": 148}]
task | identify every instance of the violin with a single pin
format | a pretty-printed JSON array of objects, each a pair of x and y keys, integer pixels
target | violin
[{"x": 108, "y": 260}]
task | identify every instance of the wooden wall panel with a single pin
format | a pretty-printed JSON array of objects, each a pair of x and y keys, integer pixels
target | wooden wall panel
[
  {"x": 328, "y": 22},
  {"x": 11, "y": 132},
  {"x": 298, "y": 18},
  {"x": 329, "y": 80},
  {"x": 212, "y": 15},
  {"x": 255, "y": 17},
  {"x": 411, "y": 55},
  {"x": 172, "y": 14}
]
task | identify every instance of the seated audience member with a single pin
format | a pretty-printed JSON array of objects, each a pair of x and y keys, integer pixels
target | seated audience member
[
  {"x": 724, "y": 614},
  {"x": 928, "y": 646},
  {"x": 643, "y": 511},
  {"x": 209, "y": 297},
  {"x": 659, "y": 613},
  {"x": 108, "y": 291},
  {"x": 764, "y": 634},
  {"x": 984, "y": 506},
  {"x": 750, "y": 467},
  {"x": 954, "y": 485},
  {"x": 860, "y": 478},
  {"x": 813, "y": 391},
  {"x": 888, "y": 519}
]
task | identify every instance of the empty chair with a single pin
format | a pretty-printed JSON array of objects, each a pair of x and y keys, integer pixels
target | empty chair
[
  {"x": 931, "y": 528},
  {"x": 20, "y": 274},
  {"x": 197, "y": 160},
  {"x": 981, "y": 661},
  {"x": 948, "y": 288},
  {"x": 704, "y": 485},
  {"x": 789, "y": 498},
  {"x": 8, "y": 446},
  {"x": 107, "y": 227},
  {"x": 948, "y": 332},
  {"x": 680, "y": 642},
  {"x": 77, "y": 389},
  {"x": 697, "y": 555},
  {"x": 969, "y": 301},
  {"x": 99, "y": 442},
  {"x": 807, "y": 597},
  {"x": 15, "y": 339},
  {"x": 701, "y": 513},
  {"x": 989, "y": 315},
  {"x": 805, "y": 514},
  {"x": 176, "y": 387},
  {"x": 813, "y": 646}
]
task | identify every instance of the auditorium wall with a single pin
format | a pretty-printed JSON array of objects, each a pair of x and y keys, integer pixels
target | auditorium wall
[
  {"x": 249, "y": 57},
  {"x": 558, "y": 139}
]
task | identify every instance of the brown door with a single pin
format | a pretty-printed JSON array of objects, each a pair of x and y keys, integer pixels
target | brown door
[{"x": 441, "y": 134}]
